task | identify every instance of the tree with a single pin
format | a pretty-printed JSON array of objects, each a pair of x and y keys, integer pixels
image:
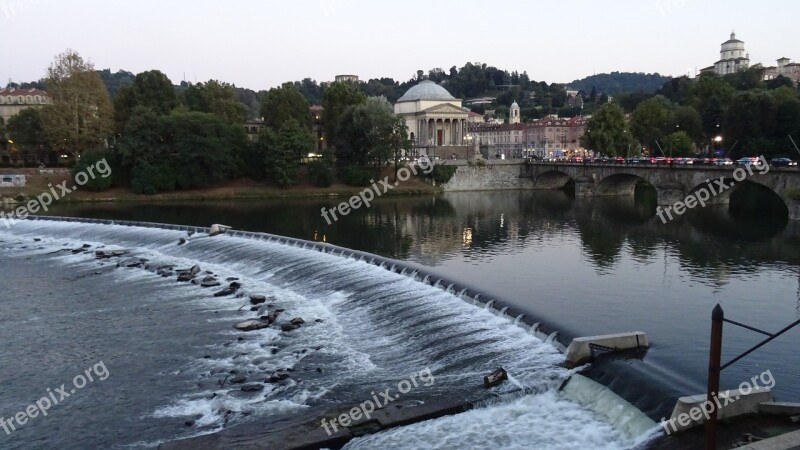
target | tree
[
  {"x": 80, "y": 116},
  {"x": 215, "y": 97},
  {"x": 679, "y": 143},
  {"x": 607, "y": 132},
  {"x": 370, "y": 134},
  {"x": 688, "y": 120},
  {"x": 26, "y": 130},
  {"x": 337, "y": 98},
  {"x": 151, "y": 89},
  {"x": 650, "y": 120},
  {"x": 282, "y": 104},
  {"x": 97, "y": 181},
  {"x": 2, "y": 133},
  {"x": 283, "y": 150},
  {"x": 751, "y": 116},
  {"x": 779, "y": 81}
]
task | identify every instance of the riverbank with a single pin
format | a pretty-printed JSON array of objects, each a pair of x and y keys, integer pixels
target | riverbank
[{"x": 240, "y": 189}]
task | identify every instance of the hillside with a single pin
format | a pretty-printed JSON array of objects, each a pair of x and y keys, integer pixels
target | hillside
[{"x": 618, "y": 82}]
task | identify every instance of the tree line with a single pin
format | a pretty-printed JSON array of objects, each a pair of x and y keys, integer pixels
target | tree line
[{"x": 735, "y": 115}]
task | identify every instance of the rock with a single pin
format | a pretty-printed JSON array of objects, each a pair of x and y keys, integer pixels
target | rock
[
  {"x": 195, "y": 270},
  {"x": 37, "y": 240},
  {"x": 495, "y": 378},
  {"x": 278, "y": 376},
  {"x": 189, "y": 423},
  {"x": 258, "y": 299},
  {"x": 225, "y": 292},
  {"x": 235, "y": 285},
  {"x": 319, "y": 321},
  {"x": 252, "y": 387},
  {"x": 239, "y": 379},
  {"x": 255, "y": 309},
  {"x": 287, "y": 327},
  {"x": 209, "y": 282},
  {"x": 271, "y": 317},
  {"x": 297, "y": 321},
  {"x": 251, "y": 325},
  {"x": 229, "y": 279},
  {"x": 181, "y": 241},
  {"x": 217, "y": 229},
  {"x": 184, "y": 277}
]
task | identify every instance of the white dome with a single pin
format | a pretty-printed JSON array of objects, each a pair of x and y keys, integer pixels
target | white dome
[{"x": 426, "y": 90}]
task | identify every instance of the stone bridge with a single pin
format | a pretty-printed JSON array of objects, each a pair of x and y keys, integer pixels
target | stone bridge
[{"x": 672, "y": 183}]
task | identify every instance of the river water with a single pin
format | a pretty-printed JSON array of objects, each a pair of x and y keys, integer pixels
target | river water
[{"x": 576, "y": 267}]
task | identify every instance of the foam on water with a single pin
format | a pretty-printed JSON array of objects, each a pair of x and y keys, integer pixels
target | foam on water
[{"x": 376, "y": 327}]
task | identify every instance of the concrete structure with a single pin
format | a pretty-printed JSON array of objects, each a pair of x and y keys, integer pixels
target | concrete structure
[
  {"x": 688, "y": 412},
  {"x": 496, "y": 175},
  {"x": 672, "y": 184},
  {"x": 317, "y": 129},
  {"x": 437, "y": 123},
  {"x": 346, "y": 78},
  {"x": 780, "y": 408},
  {"x": 253, "y": 128},
  {"x": 733, "y": 57},
  {"x": 788, "y": 441},
  {"x": 12, "y": 180},
  {"x": 580, "y": 350},
  {"x": 13, "y": 100}
]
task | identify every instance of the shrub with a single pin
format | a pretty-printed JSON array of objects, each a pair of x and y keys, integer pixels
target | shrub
[
  {"x": 320, "y": 173},
  {"x": 95, "y": 167},
  {"x": 356, "y": 176},
  {"x": 149, "y": 179},
  {"x": 442, "y": 174}
]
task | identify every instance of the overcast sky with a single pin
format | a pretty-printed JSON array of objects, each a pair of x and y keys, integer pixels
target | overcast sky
[{"x": 261, "y": 43}]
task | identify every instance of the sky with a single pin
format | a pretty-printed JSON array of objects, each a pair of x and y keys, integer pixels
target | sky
[{"x": 261, "y": 44}]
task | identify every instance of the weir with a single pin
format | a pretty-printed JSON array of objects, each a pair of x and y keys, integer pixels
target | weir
[{"x": 446, "y": 343}]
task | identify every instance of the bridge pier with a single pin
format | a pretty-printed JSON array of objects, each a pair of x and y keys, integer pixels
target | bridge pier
[
  {"x": 584, "y": 186},
  {"x": 794, "y": 209},
  {"x": 670, "y": 193}
]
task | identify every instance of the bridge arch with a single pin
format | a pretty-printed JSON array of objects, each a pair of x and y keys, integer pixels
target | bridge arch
[
  {"x": 742, "y": 197},
  {"x": 553, "y": 180},
  {"x": 620, "y": 184}
]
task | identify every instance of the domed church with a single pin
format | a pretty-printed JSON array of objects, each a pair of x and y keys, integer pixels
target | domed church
[{"x": 437, "y": 123}]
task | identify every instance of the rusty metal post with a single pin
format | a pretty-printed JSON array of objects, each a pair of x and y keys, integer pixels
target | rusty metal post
[{"x": 714, "y": 362}]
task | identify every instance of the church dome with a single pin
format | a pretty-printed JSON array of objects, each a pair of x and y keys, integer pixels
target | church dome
[{"x": 426, "y": 90}]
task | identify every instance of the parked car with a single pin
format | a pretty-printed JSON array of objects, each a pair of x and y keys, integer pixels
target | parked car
[
  {"x": 722, "y": 162},
  {"x": 782, "y": 162},
  {"x": 747, "y": 160}
]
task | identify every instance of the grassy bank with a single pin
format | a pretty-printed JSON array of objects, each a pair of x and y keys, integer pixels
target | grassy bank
[{"x": 241, "y": 189}]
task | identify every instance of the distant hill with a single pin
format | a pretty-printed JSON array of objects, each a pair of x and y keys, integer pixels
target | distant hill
[{"x": 618, "y": 82}]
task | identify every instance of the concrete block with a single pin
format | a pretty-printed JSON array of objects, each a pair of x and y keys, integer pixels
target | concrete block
[
  {"x": 780, "y": 408},
  {"x": 580, "y": 350},
  {"x": 691, "y": 411},
  {"x": 788, "y": 441}
]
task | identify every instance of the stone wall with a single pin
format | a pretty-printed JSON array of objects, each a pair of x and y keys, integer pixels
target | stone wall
[{"x": 497, "y": 175}]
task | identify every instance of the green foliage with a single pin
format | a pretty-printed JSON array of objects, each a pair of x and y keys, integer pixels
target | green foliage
[
  {"x": 151, "y": 89},
  {"x": 617, "y": 82},
  {"x": 337, "y": 98},
  {"x": 283, "y": 150},
  {"x": 679, "y": 143},
  {"x": 114, "y": 82},
  {"x": 182, "y": 150},
  {"x": 27, "y": 132},
  {"x": 215, "y": 97},
  {"x": 442, "y": 173},
  {"x": 282, "y": 104},
  {"x": 607, "y": 132},
  {"x": 320, "y": 170},
  {"x": 89, "y": 163},
  {"x": 356, "y": 176},
  {"x": 651, "y": 120},
  {"x": 370, "y": 134}
]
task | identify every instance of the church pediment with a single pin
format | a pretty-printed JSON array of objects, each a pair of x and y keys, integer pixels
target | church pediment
[{"x": 446, "y": 108}]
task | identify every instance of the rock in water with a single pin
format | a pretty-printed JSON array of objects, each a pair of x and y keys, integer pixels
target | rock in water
[
  {"x": 495, "y": 378},
  {"x": 297, "y": 321},
  {"x": 195, "y": 270},
  {"x": 252, "y": 387},
  {"x": 257, "y": 299},
  {"x": 185, "y": 277},
  {"x": 287, "y": 327},
  {"x": 251, "y": 325},
  {"x": 277, "y": 376},
  {"x": 239, "y": 379},
  {"x": 225, "y": 292}
]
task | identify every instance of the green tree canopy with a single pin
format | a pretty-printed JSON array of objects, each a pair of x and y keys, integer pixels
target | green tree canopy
[
  {"x": 337, "y": 98},
  {"x": 679, "y": 143},
  {"x": 81, "y": 116},
  {"x": 370, "y": 134},
  {"x": 282, "y": 104},
  {"x": 215, "y": 97},
  {"x": 651, "y": 120},
  {"x": 151, "y": 89},
  {"x": 27, "y": 131},
  {"x": 607, "y": 131},
  {"x": 283, "y": 150}
]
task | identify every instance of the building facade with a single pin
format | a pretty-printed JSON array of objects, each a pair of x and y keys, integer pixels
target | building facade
[
  {"x": 436, "y": 121},
  {"x": 546, "y": 137},
  {"x": 785, "y": 68},
  {"x": 346, "y": 78},
  {"x": 13, "y": 100},
  {"x": 733, "y": 57}
]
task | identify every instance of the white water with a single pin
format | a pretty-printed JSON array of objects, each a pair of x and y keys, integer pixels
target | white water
[{"x": 378, "y": 327}]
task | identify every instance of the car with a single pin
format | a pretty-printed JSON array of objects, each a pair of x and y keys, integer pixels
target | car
[
  {"x": 722, "y": 162},
  {"x": 747, "y": 160},
  {"x": 782, "y": 162}
]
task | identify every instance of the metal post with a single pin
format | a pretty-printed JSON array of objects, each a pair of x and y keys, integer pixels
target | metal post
[{"x": 714, "y": 362}]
